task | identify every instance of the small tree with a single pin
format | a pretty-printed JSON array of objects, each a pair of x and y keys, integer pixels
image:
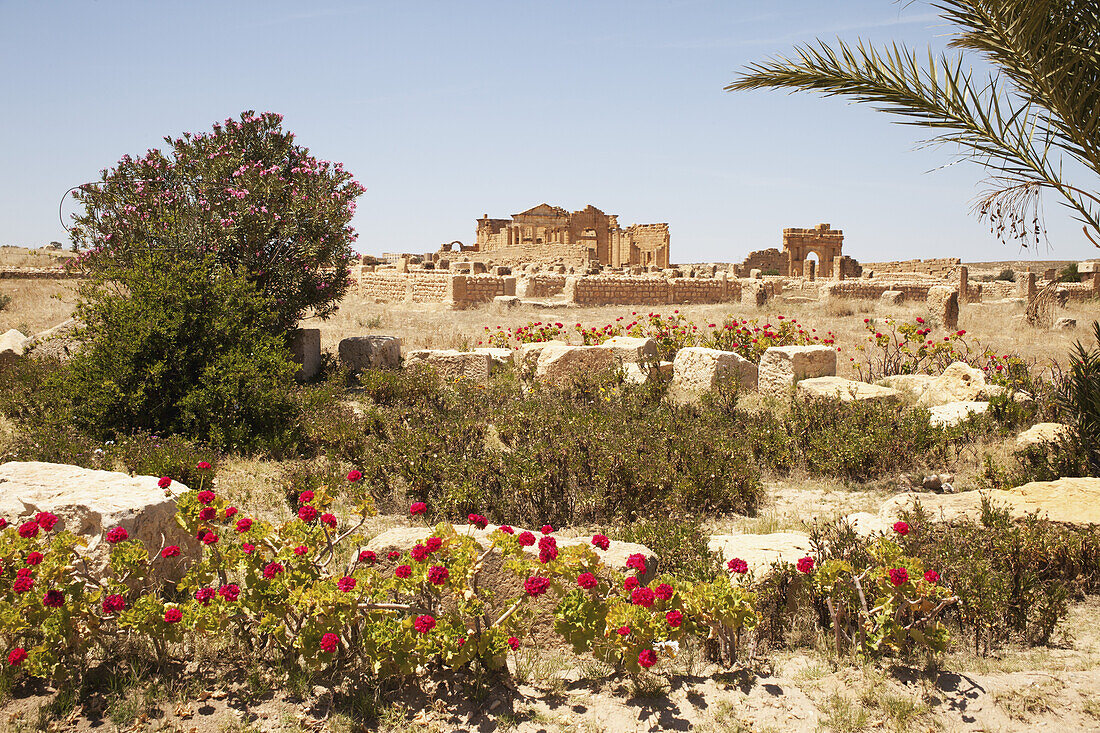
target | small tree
[{"x": 246, "y": 197}]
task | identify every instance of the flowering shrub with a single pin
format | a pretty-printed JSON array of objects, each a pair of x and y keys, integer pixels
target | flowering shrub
[
  {"x": 533, "y": 332},
  {"x": 244, "y": 194},
  {"x": 900, "y": 347},
  {"x": 749, "y": 339}
]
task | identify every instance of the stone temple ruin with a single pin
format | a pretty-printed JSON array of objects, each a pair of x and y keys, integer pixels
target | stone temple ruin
[{"x": 551, "y": 235}]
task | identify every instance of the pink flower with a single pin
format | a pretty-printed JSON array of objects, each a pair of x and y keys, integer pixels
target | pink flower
[
  {"x": 329, "y": 642},
  {"x": 205, "y": 497},
  {"x": 424, "y": 624},
  {"x": 535, "y": 586},
  {"x": 931, "y": 576},
  {"x": 170, "y": 551},
  {"x": 418, "y": 508},
  {"x": 273, "y": 569},
  {"x": 601, "y": 541},
  {"x": 17, "y": 656},
  {"x": 46, "y": 520},
  {"x": 307, "y": 513},
  {"x": 737, "y": 565},
  {"x": 346, "y": 584},
  {"x": 663, "y": 591},
  {"x": 899, "y": 576},
  {"x": 513, "y": 642},
  {"x": 647, "y": 658},
  {"x": 402, "y": 571},
  {"x": 164, "y": 482},
  {"x": 548, "y": 549},
  {"x": 587, "y": 581},
  {"x": 248, "y": 548},
  {"x": 368, "y": 557},
  {"x": 901, "y": 528},
  {"x": 355, "y": 475},
  {"x": 526, "y": 539},
  {"x": 805, "y": 565},
  {"x": 244, "y": 524},
  {"x": 437, "y": 575},
  {"x": 643, "y": 597},
  {"x": 230, "y": 591},
  {"x": 173, "y": 615},
  {"x": 674, "y": 618},
  {"x": 636, "y": 562}
]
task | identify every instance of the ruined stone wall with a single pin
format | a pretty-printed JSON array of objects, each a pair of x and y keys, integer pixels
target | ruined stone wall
[
  {"x": 998, "y": 289},
  {"x": 544, "y": 254},
  {"x": 483, "y": 288},
  {"x": 941, "y": 267},
  {"x": 626, "y": 290},
  {"x": 545, "y": 286},
  {"x": 765, "y": 260},
  {"x": 386, "y": 285},
  {"x": 428, "y": 287},
  {"x": 873, "y": 289}
]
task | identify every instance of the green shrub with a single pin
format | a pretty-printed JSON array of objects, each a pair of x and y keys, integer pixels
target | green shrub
[
  {"x": 1079, "y": 400},
  {"x": 5, "y": 301},
  {"x": 1069, "y": 274},
  {"x": 680, "y": 543},
  {"x": 1006, "y": 274},
  {"x": 143, "y": 454},
  {"x": 179, "y": 348}
]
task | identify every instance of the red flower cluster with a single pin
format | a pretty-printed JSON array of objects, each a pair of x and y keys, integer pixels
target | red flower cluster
[
  {"x": 630, "y": 583},
  {"x": 329, "y": 642},
  {"x": 513, "y": 642},
  {"x": 805, "y": 565},
  {"x": 663, "y": 591},
  {"x": 355, "y": 475},
  {"x": 17, "y": 656},
  {"x": 738, "y": 566},
  {"x": 305, "y": 497},
  {"x": 478, "y": 521},
  {"x": 301, "y": 550},
  {"x": 27, "y": 530},
  {"x": 173, "y": 616},
  {"x": 548, "y": 549},
  {"x": 402, "y": 571},
  {"x": 230, "y": 592},
  {"x": 273, "y": 569},
  {"x": 899, "y": 576},
  {"x": 636, "y": 562},
  {"x": 506, "y": 529},
  {"x": 117, "y": 534},
  {"x": 204, "y": 595},
  {"x": 34, "y": 558},
  {"x": 205, "y": 497},
  {"x": 600, "y": 541},
  {"x": 346, "y": 584},
  {"x": 433, "y": 544},
  {"x": 419, "y": 552},
  {"x": 546, "y": 529},
  {"x": 203, "y": 466},
  {"x": 901, "y": 528},
  {"x": 170, "y": 551},
  {"x": 368, "y": 557},
  {"x": 535, "y": 586},
  {"x": 587, "y": 581},
  {"x": 623, "y": 631},
  {"x": 393, "y": 555},
  {"x": 164, "y": 482},
  {"x": 307, "y": 513},
  {"x": 437, "y": 575},
  {"x": 525, "y": 539},
  {"x": 647, "y": 658},
  {"x": 53, "y": 599},
  {"x": 230, "y": 512},
  {"x": 210, "y": 538},
  {"x": 23, "y": 583},
  {"x": 329, "y": 520},
  {"x": 114, "y": 603},
  {"x": 244, "y": 524},
  {"x": 674, "y": 618},
  {"x": 418, "y": 508},
  {"x": 424, "y": 624},
  {"x": 46, "y": 520},
  {"x": 207, "y": 513},
  {"x": 931, "y": 576},
  {"x": 643, "y": 597}
]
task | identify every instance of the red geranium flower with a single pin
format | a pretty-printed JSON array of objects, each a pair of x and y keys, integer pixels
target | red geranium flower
[
  {"x": 805, "y": 565},
  {"x": 307, "y": 513},
  {"x": 244, "y": 524},
  {"x": 53, "y": 599},
  {"x": 164, "y": 482},
  {"x": 354, "y": 475},
  {"x": 346, "y": 584},
  {"x": 34, "y": 558},
  {"x": 601, "y": 541},
  {"x": 419, "y": 552},
  {"x": 647, "y": 658},
  {"x": 301, "y": 550},
  {"x": 393, "y": 554},
  {"x": 535, "y": 586},
  {"x": 630, "y": 583},
  {"x": 230, "y": 592},
  {"x": 899, "y": 576},
  {"x": 663, "y": 591},
  {"x": 207, "y": 513},
  {"x": 548, "y": 549},
  {"x": 417, "y": 508},
  {"x": 546, "y": 529},
  {"x": 674, "y": 618},
  {"x": 368, "y": 556},
  {"x": 587, "y": 581},
  {"x": 248, "y": 548},
  {"x": 272, "y": 569},
  {"x": 737, "y": 565},
  {"x": 205, "y": 497},
  {"x": 931, "y": 576},
  {"x": 170, "y": 551},
  {"x": 46, "y": 520},
  {"x": 114, "y": 603},
  {"x": 478, "y": 521},
  {"x": 901, "y": 528},
  {"x": 329, "y": 520},
  {"x": 513, "y": 642},
  {"x": 507, "y": 530},
  {"x": 403, "y": 571},
  {"x": 204, "y": 595},
  {"x": 424, "y": 624},
  {"x": 437, "y": 575},
  {"x": 210, "y": 539},
  {"x": 305, "y": 497},
  {"x": 22, "y": 584},
  {"x": 16, "y": 656},
  {"x": 173, "y": 615},
  {"x": 3, "y": 523},
  {"x": 329, "y": 642},
  {"x": 526, "y": 539},
  {"x": 230, "y": 512},
  {"x": 27, "y": 530},
  {"x": 203, "y": 466},
  {"x": 643, "y": 597},
  {"x": 636, "y": 562},
  {"x": 623, "y": 631}
]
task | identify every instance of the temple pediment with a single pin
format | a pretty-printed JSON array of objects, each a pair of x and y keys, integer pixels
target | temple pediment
[{"x": 543, "y": 210}]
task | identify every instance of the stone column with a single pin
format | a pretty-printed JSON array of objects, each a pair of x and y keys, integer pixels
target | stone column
[
  {"x": 838, "y": 268},
  {"x": 305, "y": 350},
  {"x": 964, "y": 283},
  {"x": 1032, "y": 290},
  {"x": 809, "y": 270},
  {"x": 455, "y": 295}
]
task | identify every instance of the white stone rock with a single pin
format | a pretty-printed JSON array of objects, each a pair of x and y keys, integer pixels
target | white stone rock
[
  {"x": 892, "y": 297},
  {"x": 631, "y": 350},
  {"x": 371, "y": 352},
  {"x": 1065, "y": 324},
  {"x": 761, "y": 551},
  {"x": 451, "y": 364},
  {"x": 560, "y": 363},
  {"x": 697, "y": 370},
  {"x": 1040, "y": 434},
  {"x": 959, "y": 382},
  {"x": 914, "y": 385},
  {"x": 502, "y": 358},
  {"x": 846, "y": 390},
  {"x": 89, "y": 503},
  {"x": 953, "y": 413},
  {"x": 12, "y": 344},
  {"x": 781, "y": 367}
]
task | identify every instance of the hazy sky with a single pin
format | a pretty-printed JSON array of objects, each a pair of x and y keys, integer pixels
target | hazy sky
[{"x": 449, "y": 110}]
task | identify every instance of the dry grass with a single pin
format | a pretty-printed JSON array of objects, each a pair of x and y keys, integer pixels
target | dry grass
[
  {"x": 36, "y": 304},
  {"x": 23, "y": 257}
]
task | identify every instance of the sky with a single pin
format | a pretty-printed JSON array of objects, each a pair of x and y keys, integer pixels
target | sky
[{"x": 448, "y": 110}]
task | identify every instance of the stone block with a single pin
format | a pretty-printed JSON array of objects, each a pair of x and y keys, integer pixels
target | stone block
[
  {"x": 1088, "y": 267},
  {"x": 953, "y": 413},
  {"x": 943, "y": 306},
  {"x": 630, "y": 350},
  {"x": 370, "y": 352},
  {"x": 755, "y": 274},
  {"x": 892, "y": 297},
  {"x": 305, "y": 350},
  {"x": 506, "y": 301},
  {"x": 1065, "y": 324},
  {"x": 12, "y": 344},
  {"x": 451, "y": 364},
  {"x": 1043, "y": 433},
  {"x": 479, "y": 268},
  {"x": 845, "y": 390},
  {"x": 959, "y": 382},
  {"x": 913, "y": 385},
  {"x": 697, "y": 371},
  {"x": 501, "y": 358},
  {"x": 559, "y": 363},
  {"x": 761, "y": 551},
  {"x": 754, "y": 294},
  {"x": 782, "y": 367}
]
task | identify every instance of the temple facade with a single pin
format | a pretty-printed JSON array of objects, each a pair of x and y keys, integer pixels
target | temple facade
[{"x": 551, "y": 234}]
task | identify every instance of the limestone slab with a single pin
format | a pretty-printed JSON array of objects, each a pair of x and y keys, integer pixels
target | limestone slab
[{"x": 846, "y": 390}]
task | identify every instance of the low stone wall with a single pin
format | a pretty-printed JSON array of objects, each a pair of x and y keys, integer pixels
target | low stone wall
[
  {"x": 873, "y": 289},
  {"x": 941, "y": 266},
  {"x": 545, "y": 286},
  {"x": 36, "y": 273},
  {"x": 428, "y": 287}
]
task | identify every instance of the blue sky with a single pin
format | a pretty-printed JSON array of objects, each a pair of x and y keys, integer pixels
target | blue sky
[{"x": 449, "y": 110}]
